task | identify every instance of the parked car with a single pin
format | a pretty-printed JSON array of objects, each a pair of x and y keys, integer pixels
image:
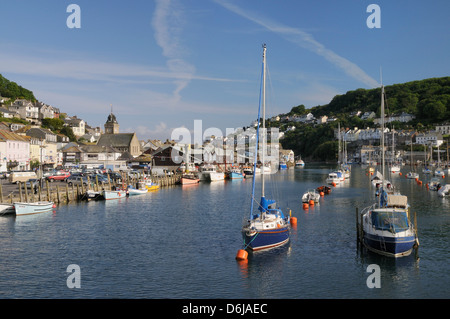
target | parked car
[
  {"x": 77, "y": 180},
  {"x": 113, "y": 176},
  {"x": 15, "y": 177},
  {"x": 34, "y": 182},
  {"x": 59, "y": 176},
  {"x": 101, "y": 179}
]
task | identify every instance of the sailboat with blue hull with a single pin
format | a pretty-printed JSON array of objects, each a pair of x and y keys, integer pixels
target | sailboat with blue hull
[
  {"x": 267, "y": 227},
  {"x": 386, "y": 225}
]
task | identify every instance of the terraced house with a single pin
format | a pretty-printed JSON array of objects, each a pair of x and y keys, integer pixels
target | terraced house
[{"x": 14, "y": 151}]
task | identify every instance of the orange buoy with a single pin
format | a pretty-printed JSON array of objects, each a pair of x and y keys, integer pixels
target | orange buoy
[
  {"x": 294, "y": 221},
  {"x": 305, "y": 205},
  {"x": 311, "y": 202},
  {"x": 242, "y": 254},
  {"x": 417, "y": 179},
  {"x": 428, "y": 187},
  {"x": 322, "y": 193},
  {"x": 443, "y": 176},
  {"x": 400, "y": 173},
  {"x": 333, "y": 184}
]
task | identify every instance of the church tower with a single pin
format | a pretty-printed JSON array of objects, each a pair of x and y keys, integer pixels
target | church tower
[{"x": 111, "y": 125}]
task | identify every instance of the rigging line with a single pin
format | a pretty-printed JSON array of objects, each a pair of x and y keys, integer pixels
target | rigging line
[
  {"x": 257, "y": 138},
  {"x": 275, "y": 186}
]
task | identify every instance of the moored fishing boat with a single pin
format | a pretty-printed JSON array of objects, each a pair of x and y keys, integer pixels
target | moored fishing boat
[
  {"x": 309, "y": 195},
  {"x": 189, "y": 179},
  {"x": 412, "y": 175},
  {"x": 323, "y": 189},
  {"x": 117, "y": 194},
  {"x": 439, "y": 171},
  {"x": 444, "y": 190},
  {"x": 269, "y": 227},
  {"x": 434, "y": 184},
  {"x": 300, "y": 163},
  {"x": 6, "y": 209},
  {"x": 150, "y": 185},
  {"x": 132, "y": 191},
  {"x": 23, "y": 208},
  {"x": 386, "y": 227},
  {"x": 235, "y": 173},
  {"x": 333, "y": 178}
]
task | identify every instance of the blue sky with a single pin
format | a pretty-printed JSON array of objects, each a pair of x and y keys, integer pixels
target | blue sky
[{"x": 163, "y": 64}]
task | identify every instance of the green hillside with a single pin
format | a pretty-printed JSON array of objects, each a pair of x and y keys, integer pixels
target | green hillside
[
  {"x": 14, "y": 91},
  {"x": 428, "y": 100}
]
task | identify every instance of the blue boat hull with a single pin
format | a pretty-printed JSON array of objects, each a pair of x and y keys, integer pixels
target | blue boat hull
[
  {"x": 390, "y": 246},
  {"x": 234, "y": 175},
  {"x": 267, "y": 238}
]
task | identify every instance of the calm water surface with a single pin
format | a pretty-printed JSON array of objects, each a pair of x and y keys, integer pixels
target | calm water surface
[{"x": 181, "y": 242}]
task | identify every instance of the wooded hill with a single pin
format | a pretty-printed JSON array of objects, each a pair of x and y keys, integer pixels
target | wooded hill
[
  {"x": 14, "y": 91},
  {"x": 428, "y": 100}
]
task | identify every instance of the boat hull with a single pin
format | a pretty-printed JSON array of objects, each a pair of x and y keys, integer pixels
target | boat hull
[
  {"x": 108, "y": 195},
  {"x": 235, "y": 175},
  {"x": 32, "y": 208},
  {"x": 133, "y": 192},
  {"x": 189, "y": 181},
  {"x": 389, "y": 246},
  {"x": 6, "y": 209},
  {"x": 266, "y": 239}
]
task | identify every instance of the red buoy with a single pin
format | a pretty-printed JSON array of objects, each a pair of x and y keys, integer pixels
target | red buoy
[
  {"x": 293, "y": 221},
  {"x": 242, "y": 254}
]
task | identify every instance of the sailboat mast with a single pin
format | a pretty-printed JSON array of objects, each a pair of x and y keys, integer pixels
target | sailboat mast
[
  {"x": 263, "y": 119},
  {"x": 382, "y": 133}
]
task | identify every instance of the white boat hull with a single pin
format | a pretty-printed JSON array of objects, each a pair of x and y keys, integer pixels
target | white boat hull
[
  {"x": 108, "y": 195},
  {"x": 32, "y": 208}
]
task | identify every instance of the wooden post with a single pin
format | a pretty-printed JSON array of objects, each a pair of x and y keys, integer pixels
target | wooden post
[
  {"x": 25, "y": 188},
  {"x": 20, "y": 191},
  {"x": 96, "y": 182},
  {"x": 57, "y": 194},
  {"x": 67, "y": 192},
  {"x": 39, "y": 190},
  {"x": 32, "y": 193},
  {"x": 48, "y": 190},
  {"x": 1, "y": 194},
  {"x": 109, "y": 181}
]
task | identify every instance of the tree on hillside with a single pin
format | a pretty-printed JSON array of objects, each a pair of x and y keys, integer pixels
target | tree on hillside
[
  {"x": 299, "y": 110},
  {"x": 52, "y": 124}
]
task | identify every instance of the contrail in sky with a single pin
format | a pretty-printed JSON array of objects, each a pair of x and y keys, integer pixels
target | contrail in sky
[{"x": 304, "y": 40}]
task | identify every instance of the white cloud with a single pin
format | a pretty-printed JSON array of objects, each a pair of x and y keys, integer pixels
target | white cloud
[
  {"x": 304, "y": 40},
  {"x": 167, "y": 23}
]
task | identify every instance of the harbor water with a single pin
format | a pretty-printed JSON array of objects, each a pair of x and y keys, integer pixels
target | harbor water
[{"x": 181, "y": 242}]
